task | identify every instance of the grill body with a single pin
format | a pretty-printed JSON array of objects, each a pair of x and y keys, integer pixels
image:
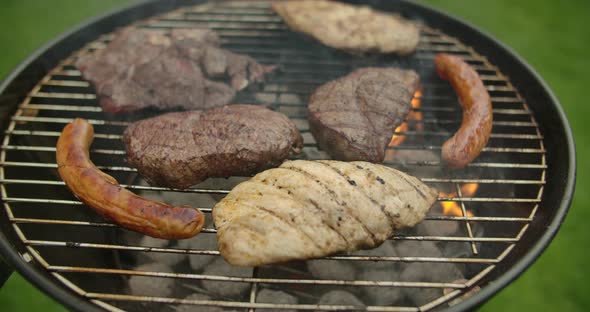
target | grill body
[{"x": 530, "y": 124}]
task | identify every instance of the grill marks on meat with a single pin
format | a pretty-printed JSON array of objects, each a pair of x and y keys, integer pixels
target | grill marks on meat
[
  {"x": 310, "y": 209},
  {"x": 182, "y": 149},
  {"x": 354, "y": 117},
  {"x": 142, "y": 68},
  {"x": 351, "y": 28},
  {"x": 104, "y": 194}
]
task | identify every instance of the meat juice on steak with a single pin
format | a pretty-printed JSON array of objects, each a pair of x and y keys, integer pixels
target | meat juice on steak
[
  {"x": 181, "y": 149},
  {"x": 142, "y": 68},
  {"x": 354, "y": 117}
]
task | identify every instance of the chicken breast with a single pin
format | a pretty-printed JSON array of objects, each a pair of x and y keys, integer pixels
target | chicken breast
[
  {"x": 310, "y": 209},
  {"x": 351, "y": 28}
]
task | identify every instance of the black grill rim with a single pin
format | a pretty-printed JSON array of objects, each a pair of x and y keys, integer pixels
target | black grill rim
[{"x": 552, "y": 121}]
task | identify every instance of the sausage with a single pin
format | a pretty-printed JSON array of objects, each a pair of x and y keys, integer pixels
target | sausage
[
  {"x": 476, "y": 127},
  {"x": 104, "y": 194}
]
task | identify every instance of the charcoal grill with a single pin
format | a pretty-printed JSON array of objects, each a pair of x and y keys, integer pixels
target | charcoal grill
[{"x": 525, "y": 175}]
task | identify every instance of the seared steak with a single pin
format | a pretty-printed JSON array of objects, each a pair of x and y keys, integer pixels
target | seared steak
[
  {"x": 354, "y": 117},
  {"x": 184, "y": 148},
  {"x": 348, "y": 27},
  {"x": 142, "y": 68}
]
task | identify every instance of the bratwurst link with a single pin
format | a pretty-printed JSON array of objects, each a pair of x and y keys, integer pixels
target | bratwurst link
[
  {"x": 104, "y": 194},
  {"x": 476, "y": 127}
]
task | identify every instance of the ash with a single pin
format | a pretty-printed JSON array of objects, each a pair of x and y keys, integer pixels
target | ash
[
  {"x": 201, "y": 297},
  {"x": 277, "y": 297}
]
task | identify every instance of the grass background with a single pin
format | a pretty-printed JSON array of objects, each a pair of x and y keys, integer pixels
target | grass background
[{"x": 551, "y": 35}]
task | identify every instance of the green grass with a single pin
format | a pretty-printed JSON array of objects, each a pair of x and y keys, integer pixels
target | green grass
[
  {"x": 28, "y": 24},
  {"x": 551, "y": 35}
]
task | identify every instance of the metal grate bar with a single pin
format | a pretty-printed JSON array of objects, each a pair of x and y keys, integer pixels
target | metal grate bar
[
  {"x": 405, "y": 133},
  {"x": 279, "y": 89},
  {"x": 395, "y": 237},
  {"x": 68, "y": 120},
  {"x": 52, "y": 149},
  {"x": 91, "y": 96},
  {"x": 53, "y": 165},
  {"x": 427, "y": 147},
  {"x": 467, "y": 224},
  {"x": 193, "y": 190},
  {"x": 60, "y": 222},
  {"x": 125, "y": 124},
  {"x": 67, "y": 83},
  {"x": 128, "y": 186},
  {"x": 392, "y": 163},
  {"x": 76, "y": 73},
  {"x": 74, "y": 108},
  {"x": 456, "y": 199},
  {"x": 215, "y": 252},
  {"x": 437, "y": 218},
  {"x": 253, "y": 289},
  {"x": 64, "y": 108},
  {"x": 485, "y": 149},
  {"x": 233, "y": 304},
  {"x": 271, "y": 91},
  {"x": 71, "y": 269},
  {"x": 62, "y": 95},
  {"x": 56, "y": 134}
]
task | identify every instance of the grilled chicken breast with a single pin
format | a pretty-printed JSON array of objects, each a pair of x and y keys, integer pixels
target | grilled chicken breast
[
  {"x": 348, "y": 27},
  {"x": 310, "y": 209}
]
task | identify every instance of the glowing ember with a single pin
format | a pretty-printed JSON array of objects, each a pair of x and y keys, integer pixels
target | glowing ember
[
  {"x": 412, "y": 115},
  {"x": 452, "y": 208}
]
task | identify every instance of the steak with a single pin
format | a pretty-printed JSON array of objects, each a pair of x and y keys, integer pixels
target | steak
[
  {"x": 354, "y": 117},
  {"x": 352, "y": 28},
  {"x": 141, "y": 68},
  {"x": 181, "y": 149}
]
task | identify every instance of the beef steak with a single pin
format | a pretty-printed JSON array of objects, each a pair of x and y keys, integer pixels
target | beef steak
[
  {"x": 354, "y": 117},
  {"x": 141, "y": 68},
  {"x": 181, "y": 149}
]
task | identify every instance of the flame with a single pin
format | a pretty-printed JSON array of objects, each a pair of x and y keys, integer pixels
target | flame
[
  {"x": 412, "y": 115},
  {"x": 469, "y": 189},
  {"x": 453, "y": 208},
  {"x": 450, "y": 208},
  {"x": 417, "y": 115},
  {"x": 399, "y": 139}
]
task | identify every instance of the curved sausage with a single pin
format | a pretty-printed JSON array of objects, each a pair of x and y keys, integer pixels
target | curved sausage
[
  {"x": 476, "y": 127},
  {"x": 103, "y": 193}
]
